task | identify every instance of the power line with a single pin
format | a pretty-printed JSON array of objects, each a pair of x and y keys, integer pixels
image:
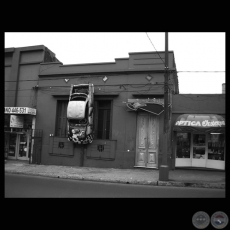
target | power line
[{"x": 154, "y": 47}]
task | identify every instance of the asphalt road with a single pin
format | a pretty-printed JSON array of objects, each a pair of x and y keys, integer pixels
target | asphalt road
[{"x": 24, "y": 186}]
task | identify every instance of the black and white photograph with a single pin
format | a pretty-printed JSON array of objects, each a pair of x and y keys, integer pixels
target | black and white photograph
[{"x": 115, "y": 115}]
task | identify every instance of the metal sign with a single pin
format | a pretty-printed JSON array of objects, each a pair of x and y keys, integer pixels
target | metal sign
[
  {"x": 16, "y": 121},
  {"x": 154, "y": 106},
  {"x": 20, "y": 110}
]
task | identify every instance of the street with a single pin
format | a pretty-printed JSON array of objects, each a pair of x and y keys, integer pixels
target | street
[{"x": 24, "y": 186}]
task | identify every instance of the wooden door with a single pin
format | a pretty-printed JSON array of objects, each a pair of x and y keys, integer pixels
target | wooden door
[{"x": 147, "y": 141}]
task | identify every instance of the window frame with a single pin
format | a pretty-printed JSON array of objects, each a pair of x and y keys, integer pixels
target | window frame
[
  {"x": 96, "y": 121},
  {"x": 95, "y": 117},
  {"x": 57, "y": 118}
]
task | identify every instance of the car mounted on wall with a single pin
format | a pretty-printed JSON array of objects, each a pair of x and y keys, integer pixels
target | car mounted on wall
[{"x": 80, "y": 113}]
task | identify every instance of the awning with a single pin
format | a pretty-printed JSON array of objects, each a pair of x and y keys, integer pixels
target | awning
[
  {"x": 200, "y": 123},
  {"x": 149, "y": 105}
]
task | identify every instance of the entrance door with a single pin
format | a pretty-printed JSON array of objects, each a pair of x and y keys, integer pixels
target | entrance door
[
  {"x": 199, "y": 150},
  {"x": 12, "y": 150},
  {"x": 147, "y": 141},
  {"x": 23, "y": 147},
  {"x": 18, "y": 146},
  {"x": 183, "y": 150}
]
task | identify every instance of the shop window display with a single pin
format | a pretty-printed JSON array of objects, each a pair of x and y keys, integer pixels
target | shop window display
[
  {"x": 183, "y": 145},
  {"x": 216, "y": 144}
]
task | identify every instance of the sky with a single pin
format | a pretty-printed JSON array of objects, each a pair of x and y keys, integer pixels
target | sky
[{"x": 193, "y": 51}]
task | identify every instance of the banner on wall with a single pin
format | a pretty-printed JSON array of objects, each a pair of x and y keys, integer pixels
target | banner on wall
[{"x": 16, "y": 121}]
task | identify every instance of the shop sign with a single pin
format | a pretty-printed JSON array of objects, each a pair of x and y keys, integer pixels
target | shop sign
[
  {"x": 20, "y": 110},
  {"x": 155, "y": 106},
  {"x": 16, "y": 121},
  {"x": 204, "y": 123}
]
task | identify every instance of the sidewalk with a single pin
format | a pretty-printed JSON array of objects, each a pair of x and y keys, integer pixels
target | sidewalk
[{"x": 177, "y": 177}]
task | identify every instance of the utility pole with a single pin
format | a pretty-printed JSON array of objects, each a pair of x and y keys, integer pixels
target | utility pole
[{"x": 164, "y": 169}]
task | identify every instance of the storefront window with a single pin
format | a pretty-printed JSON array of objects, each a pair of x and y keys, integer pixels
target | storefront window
[
  {"x": 183, "y": 145},
  {"x": 216, "y": 146}
]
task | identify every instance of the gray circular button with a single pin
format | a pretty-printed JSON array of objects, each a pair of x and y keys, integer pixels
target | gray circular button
[{"x": 200, "y": 220}]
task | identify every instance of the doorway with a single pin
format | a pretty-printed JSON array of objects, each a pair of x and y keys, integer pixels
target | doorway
[
  {"x": 199, "y": 150},
  {"x": 17, "y": 146},
  {"x": 12, "y": 145},
  {"x": 147, "y": 140},
  {"x": 23, "y": 143},
  {"x": 191, "y": 150}
]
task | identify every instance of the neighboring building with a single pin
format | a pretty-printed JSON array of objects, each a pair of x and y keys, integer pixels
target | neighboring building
[
  {"x": 128, "y": 112},
  {"x": 21, "y": 78},
  {"x": 198, "y": 126}
]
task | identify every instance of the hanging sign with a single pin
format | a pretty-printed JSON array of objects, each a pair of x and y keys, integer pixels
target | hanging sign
[
  {"x": 16, "y": 121},
  {"x": 20, "y": 110},
  {"x": 154, "y": 106}
]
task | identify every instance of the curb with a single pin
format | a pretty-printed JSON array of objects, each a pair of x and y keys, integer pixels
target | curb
[
  {"x": 192, "y": 184},
  {"x": 125, "y": 181},
  {"x": 79, "y": 177}
]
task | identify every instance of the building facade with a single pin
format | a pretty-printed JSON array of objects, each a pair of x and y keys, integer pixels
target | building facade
[
  {"x": 21, "y": 76},
  {"x": 123, "y": 137},
  {"x": 198, "y": 131},
  {"x": 128, "y": 111}
]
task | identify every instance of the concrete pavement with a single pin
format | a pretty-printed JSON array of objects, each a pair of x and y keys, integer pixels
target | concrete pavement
[{"x": 178, "y": 177}]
